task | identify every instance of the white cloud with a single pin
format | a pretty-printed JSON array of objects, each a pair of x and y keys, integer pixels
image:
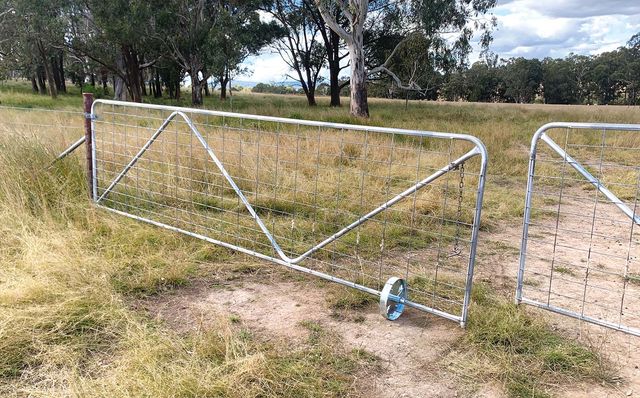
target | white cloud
[
  {"x": 266, "y": 67},
  {"x": 554, "y": 28},
  {"x": 528, "y": 28},
  {"x": 575, "y": 8}
]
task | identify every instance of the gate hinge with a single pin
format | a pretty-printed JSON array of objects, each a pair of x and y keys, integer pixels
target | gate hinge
[{"x": 90, "y": 116}]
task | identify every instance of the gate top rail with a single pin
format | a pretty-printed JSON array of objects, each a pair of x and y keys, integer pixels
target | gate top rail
[{"x": 578, "y": 126}]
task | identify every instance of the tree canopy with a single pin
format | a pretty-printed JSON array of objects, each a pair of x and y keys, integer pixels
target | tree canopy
[{"x": 413, "y": 49}]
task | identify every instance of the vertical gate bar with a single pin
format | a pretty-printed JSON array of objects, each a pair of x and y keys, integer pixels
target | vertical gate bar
[
  {"x": 555, "y": 234},
  {"x": 87, "y": 100},
  {"x": 475, "y": 231},
  {"x": 527, "y": 211}
]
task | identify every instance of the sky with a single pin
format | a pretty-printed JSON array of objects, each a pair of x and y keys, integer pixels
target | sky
[{"x": 526, "y": 28}]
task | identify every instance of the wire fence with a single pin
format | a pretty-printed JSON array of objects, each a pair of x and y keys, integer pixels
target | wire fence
[
  {"x": 580, "y": 252},
  {"x": 354, "y": 204},
  {"x": 60, "y": 126}
]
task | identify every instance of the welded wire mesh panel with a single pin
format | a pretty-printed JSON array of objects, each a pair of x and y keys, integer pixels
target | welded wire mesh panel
[
  {"x": 353, "y": 203},
  {"x": 581, "y": 245},
  {"x": 59, "y": 126}
]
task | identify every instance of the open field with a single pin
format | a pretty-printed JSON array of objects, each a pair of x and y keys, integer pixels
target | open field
[{"x": 93, "y": 304}]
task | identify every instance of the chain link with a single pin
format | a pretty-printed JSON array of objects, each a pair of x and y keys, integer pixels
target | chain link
[{"x": 456, "y": 243}]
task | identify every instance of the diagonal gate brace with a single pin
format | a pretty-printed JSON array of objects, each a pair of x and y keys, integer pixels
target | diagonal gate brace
[
  {"x": 408, "y": 192},
  {"x": 591, "y": 179}
]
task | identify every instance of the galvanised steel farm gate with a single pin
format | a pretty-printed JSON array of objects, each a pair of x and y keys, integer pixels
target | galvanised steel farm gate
[
  {"x": 394, "y": 213},
  {"x": 580, "y": 252}
]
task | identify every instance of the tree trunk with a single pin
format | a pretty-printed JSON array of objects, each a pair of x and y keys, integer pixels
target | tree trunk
[
  {"x": 57, "y": 75},
  {"x": 334, "y": 69},
  {"x": 196, "y": 89},
  {"x": 57, "y": 67},
  {"x": 53, "y": 90},
  {"x": 158, "y": 85},
  {"x": 63, "y": 81},
  {"x": 334, "y": 83},
  {"x": 47, "y": 70},
  {"x": 132, "y": 71},
  {"x": 104, "y": 77},
  {"x": 170, "y": 90},
  {"x": 311, "y": 98},
  {"x": 206, "y": 87},
  {"x": 143, "y": 84},
  {"x": 223, "y": 86},
  {"x": 223, "y": 90},
  {"x": 119, "y": 93},
  {"x": 359, "y": 104},
  {"x": 34, "y": 84},
  {"x": 42, "y": 84}
]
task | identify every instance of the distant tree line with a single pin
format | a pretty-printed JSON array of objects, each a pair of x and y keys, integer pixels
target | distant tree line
[
  {"x": 265, "y": 88},
  {"x": 413, "y": 49},
  {"x": 609, "y": 78},
  {"x": 136, "y": 48}
]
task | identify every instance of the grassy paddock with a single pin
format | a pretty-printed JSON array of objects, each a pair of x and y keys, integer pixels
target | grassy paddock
[{"x": 68, "y": 274}]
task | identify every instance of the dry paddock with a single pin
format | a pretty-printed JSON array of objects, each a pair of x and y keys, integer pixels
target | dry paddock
[{"x": 186, "y": 288}]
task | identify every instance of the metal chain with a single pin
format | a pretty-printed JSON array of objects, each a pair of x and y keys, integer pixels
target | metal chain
[{"x": 456, "y": 242}]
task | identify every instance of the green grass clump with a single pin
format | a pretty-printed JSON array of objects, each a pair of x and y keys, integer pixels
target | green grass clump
[
  {"x": 350, "y": 299},
  {"x": 634, "y": 279},
  {"x": 226, "y": 361},
  {"x": 524, "y": 353}
]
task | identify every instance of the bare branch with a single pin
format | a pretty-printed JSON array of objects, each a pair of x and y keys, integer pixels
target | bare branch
[{"x": 333, "y": 23}]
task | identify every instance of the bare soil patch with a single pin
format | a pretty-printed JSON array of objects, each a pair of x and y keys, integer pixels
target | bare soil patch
[{"x": 410, "y": 350}]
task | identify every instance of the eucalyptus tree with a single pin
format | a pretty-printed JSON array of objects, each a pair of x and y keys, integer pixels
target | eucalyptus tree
[
  {"x": 239, "y": 33},
  {"x": 355, "y": 14},
  {"x": 559, "y": 82},
  {"x": 185, "y": 27},
  {"x": 522, "y": 78},
  {"x": 445, "y": 29},
  {"x": 30, "y": 31},
  {"x": 628, "y": 72},
  {"x": 115, "y": 34},
  {"x": 335, "y": 53},
  {"x": 604, "y": 77},
  {"x": 300, "y": 46},
  {"x": 214, "y": 36},
  {"x": 581, "y": 66}
]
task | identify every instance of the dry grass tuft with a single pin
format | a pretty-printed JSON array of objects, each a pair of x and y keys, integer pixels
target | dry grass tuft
[{"x": 67, "y": 272}]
